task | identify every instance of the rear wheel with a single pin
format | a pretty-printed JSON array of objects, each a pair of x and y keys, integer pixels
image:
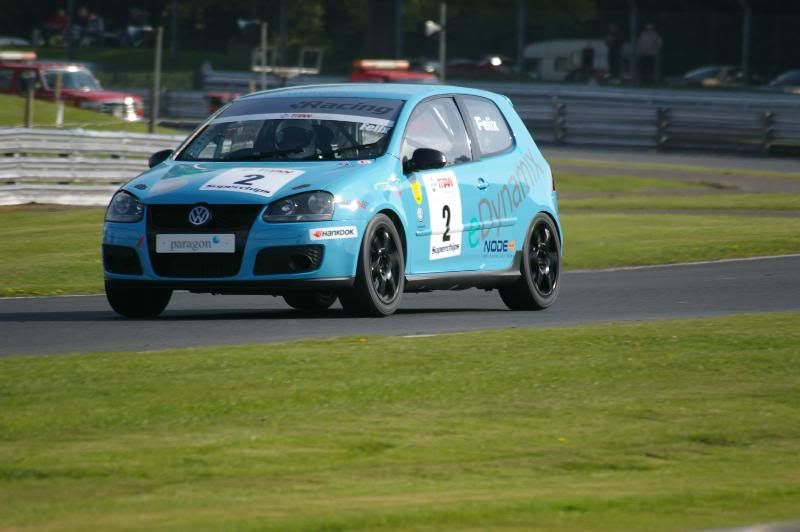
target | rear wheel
[
  {"x": 310, "y": 301},
  {"x": 539, "y": 285},
  {"x": 135, "y": 302},
  {"x": 380, "y": 273}
]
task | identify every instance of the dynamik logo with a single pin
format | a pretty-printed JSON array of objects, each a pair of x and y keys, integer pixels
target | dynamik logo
[
  {"x": 333, "y": 233},
  {"x": 486, "y": 124}
]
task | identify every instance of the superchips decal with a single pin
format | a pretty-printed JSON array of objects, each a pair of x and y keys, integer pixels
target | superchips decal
[
  {"x": 260, "y": 181},
  {"x": 444, "y": 211}
]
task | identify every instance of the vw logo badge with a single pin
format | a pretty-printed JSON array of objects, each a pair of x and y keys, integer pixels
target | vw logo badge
[{"x": 199, "y": 215}]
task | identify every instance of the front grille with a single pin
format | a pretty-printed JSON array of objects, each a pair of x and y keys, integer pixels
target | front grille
[
  {"x": 288, "y": 259},
  {"x": 165, "y": 219}
]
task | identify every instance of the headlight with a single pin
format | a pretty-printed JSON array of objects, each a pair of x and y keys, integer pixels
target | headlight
[
  {"x": 124, "y": 207},
  {"x": 305, "y": 207}
]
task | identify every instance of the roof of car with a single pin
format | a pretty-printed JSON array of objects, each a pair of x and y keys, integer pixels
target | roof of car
[{"x": 400, "y": 91}]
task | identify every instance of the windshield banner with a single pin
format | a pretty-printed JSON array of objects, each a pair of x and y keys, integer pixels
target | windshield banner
[{"x": 371, "y": 110}]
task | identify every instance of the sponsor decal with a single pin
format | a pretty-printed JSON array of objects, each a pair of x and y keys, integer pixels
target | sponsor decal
[
  {"x": 444, "y": 211},
  {"x": 525, "y": 177},
  {"x": 420, "y": 215},
  {"x": 260, "y": 181},
  {"x": 498, "y": 247},
  {"x": 376, "y": 128},
  {"x": 333, "y": 233},
  {"x": 416, "y": 189},
  {"x": 352, "y": 205},
  {"x": 195, "y": 243},
  {"x": 365, "y": 161},
  {"x": 486, "y": 124},
  {"x": 343, "y": 163},
  {"x": 350, "y": 106}
]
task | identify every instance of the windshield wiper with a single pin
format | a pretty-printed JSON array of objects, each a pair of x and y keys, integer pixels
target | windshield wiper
[{"x": 259, "y": 155}]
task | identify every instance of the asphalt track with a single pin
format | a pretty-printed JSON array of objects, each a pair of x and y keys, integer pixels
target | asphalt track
[{"x": 85, "y": 324}]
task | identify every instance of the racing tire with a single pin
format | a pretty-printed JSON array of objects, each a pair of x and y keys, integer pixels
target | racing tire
[
  {"x": 539, "y": 285},
  {"x": 380, "y": 272},
  {"x": 316, "y": 300},
  {"x": 135, "y": 302}
]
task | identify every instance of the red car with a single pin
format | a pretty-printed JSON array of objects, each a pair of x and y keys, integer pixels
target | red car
[
  {"x": 388, "y": 71},
  {"x": 79, "y": 87}
]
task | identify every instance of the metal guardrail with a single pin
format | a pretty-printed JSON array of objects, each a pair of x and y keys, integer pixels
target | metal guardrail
[{"x": 48, "y": 166}]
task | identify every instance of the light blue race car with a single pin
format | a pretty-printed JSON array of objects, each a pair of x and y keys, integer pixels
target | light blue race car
[{"x": 355, "y": 192}]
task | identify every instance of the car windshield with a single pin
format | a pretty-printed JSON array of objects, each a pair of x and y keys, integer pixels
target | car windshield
[
  {"x": 310, "y": 129},
  {"x": 72, "y": 79}
]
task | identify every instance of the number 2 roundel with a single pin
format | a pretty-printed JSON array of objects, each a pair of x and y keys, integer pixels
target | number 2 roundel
[
  {"x": 444, "y": 212},
  {"x": 260, "y": 181}
]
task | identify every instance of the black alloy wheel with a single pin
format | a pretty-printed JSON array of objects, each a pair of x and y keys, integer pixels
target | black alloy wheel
[
  {"x": 539, "y": 285},
  {"x": 380, "y": 275}
]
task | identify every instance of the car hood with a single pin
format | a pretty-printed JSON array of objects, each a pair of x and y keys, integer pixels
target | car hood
[{"x": 247, "y": 182}]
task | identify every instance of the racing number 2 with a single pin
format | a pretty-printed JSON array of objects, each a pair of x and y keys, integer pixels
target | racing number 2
[
  {"x": 446, "y": 216},
  {"x": 249, "y": 179}
]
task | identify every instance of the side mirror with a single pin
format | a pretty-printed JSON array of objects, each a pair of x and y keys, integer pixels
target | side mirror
[
  {"x": 158, "y": 158},
  {"x": 424, "y": 159}
]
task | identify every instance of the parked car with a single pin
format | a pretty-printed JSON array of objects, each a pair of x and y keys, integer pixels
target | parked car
[
  {"x": 789, "y": 82},
  {"x": 79, "y": 87},
  {"x": 359, "y": 192},
  {"x": 713, "y": 76},
  {"x": 389, "y": 71}
]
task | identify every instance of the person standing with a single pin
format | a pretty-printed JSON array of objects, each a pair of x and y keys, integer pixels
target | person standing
[
  {"x": 648, "y": 47},
  {"x": 614, "y": 44}
]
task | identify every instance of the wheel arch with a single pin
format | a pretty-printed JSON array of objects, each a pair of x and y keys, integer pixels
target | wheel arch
[{"x": 398, "y": 223}]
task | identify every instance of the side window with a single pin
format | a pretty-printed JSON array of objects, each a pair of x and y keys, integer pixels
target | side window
[
  {"x": 437, "y": 124},
  {"x": 490, "y": 127},
  {"x": 5, "y": 79}
]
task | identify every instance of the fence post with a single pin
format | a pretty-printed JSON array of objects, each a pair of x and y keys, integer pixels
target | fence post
[
  {"x": 662, "y": 125},
  {"x": 29, "y": 104},
  {"x": 559, "y": 122},
  {"x": 768, "y": 131}
]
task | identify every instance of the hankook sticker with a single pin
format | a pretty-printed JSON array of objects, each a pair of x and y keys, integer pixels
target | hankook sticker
[{"x": 333, "y": 233}]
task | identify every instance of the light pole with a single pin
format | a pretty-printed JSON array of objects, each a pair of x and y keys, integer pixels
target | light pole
[
  {"x": 432, "y": 27},
  {"x": 747, "y": 16},
  {"x": 155, "y": 91}
]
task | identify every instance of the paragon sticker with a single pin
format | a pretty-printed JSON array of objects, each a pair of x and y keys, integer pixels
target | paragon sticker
[
  {"x": 332, "y": 233},
  {"x": 260, "y": 181},
  {"x": 444, "y": 210}
]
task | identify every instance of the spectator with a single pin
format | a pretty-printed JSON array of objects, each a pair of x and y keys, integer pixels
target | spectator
[
  {"x": 614, "y": 44},
  {"x": 648, "y": 46},
  {"x": 55, "y": 25},
  {"x": 79, "y": 26},
  {"x": 96, "y": 28}
]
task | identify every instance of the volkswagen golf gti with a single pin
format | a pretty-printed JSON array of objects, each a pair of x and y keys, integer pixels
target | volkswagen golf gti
[{"x": 355, "y": 192}]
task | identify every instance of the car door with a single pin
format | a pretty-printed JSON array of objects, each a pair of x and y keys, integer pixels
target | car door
[
  {"x": 439, "y": 195},
  {"x": 496, "y": 191}
]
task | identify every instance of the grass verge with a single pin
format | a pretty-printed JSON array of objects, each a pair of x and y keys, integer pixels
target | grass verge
[
  {"x": 12, "y": 114},
  {"x": 572, "y": 182},
  {"x": 649, "y": 426},
  {"x": 55, "y": 250},
  {"x": 669, "y": 167},
  {"x": 706, "y": 202}
]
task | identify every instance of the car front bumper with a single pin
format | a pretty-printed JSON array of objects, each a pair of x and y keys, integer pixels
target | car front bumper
[{"x": 271, "y": 258}]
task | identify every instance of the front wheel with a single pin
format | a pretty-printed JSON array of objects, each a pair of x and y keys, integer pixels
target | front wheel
[
  {"x": 135, "y": 302},
  {"x": 380, "y": 273},
  {"x": 541, "y": 265},
  {"x": 310, "y": 301}
]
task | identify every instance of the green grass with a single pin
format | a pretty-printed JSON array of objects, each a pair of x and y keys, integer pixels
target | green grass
[
  {"x": 55, "y": 250},
  {"x": 596, "y": 164},
  {"x": 646, "y": 426},
  {"x": 706, "y": 202},
  {"x": 12, "y": 114},
  {"x": 572, "y": 182},
  {"x": 50, "y": 250}
]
